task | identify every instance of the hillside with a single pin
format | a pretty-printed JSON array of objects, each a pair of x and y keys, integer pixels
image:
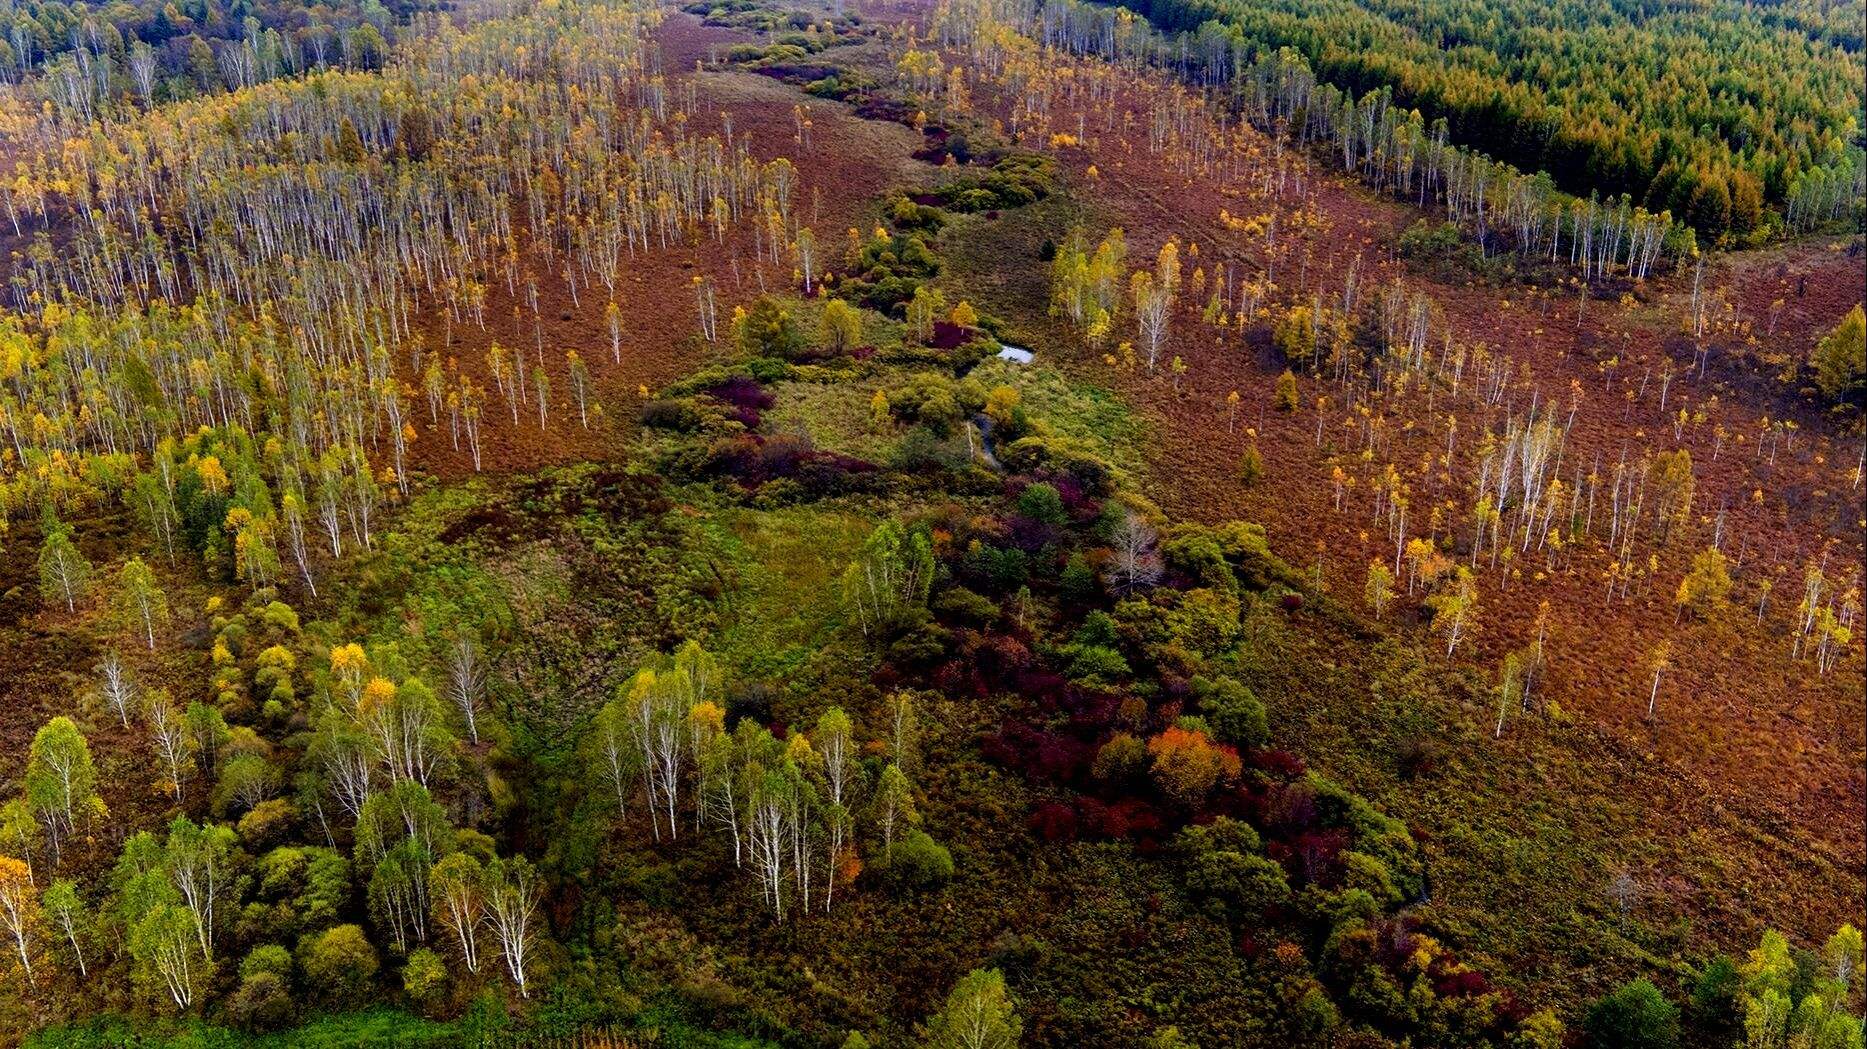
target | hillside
[{"x": 520, "y": 525}]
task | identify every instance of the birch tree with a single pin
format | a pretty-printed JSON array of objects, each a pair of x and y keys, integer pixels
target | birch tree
[
  {"x": 894, "y": 573},
  {"x": 174, "y": 744},
  {"x": 903, "y": 731},
  {"x": 1136, "y": 564},
  {"x": 65, "y": 912},
  {"x": 1380, "y": 587},
  {"x": 64, "y": 574},
  {"x": 978, "y": 1014},
  {"x": 199, "y": 859},
  {"x": 892, "y": 808},
  {"x": 834, "y": 744},
  {"x": 1153, "y": 302},
  {"x": 1659, "y": 660},
  {"x": 61, "y": 783},
  {"x": 512, "y": 895},
  {"x": 140, "y": 600},
  {"x": 164, "y": 944},
  {"x": 466, "y": 682},
  {"x": 457, "y": 887},
  {"x": 116, "y": 687},
  {"x": 19, "y": 912},
  {"x": 615, "y": 753},
  {"x": 768, "y": 833},
  {"x": 404, "y": 726},
  {"x": 1454, "y": 608}
]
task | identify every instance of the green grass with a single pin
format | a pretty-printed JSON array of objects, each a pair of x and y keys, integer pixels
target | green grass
[
  {"x": 836, "y": 416},
  {"x": 381, "y": 1028},
  {"x": 372, "y": 1027},
  {"x": 782, "y": 607},
  {"x": 997, "y": 264},
  {"x": 877, "y": 331},
  {"x": 1082, "y": 411}
]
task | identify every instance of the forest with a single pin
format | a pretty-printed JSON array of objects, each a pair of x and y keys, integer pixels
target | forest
[
  {"x": 973, "y": 524},
  {"x": 1729, "y": 116},
  {"x": 86, "y": 53}
]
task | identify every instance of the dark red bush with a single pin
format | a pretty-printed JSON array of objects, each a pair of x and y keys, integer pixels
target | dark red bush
[
  {"x": 1054, "y": 821},
  {"x": 998, "y": 657},
  {"x": 741, "y": 391},
  {"x": 1318, "y": 855},
  {"x": 1280, "y": 763},
  {"x": 1290, "y": 810},
  {"x": 1468, "y": 983},
  {"x": 1029, "y": 535},
  {"x": 948, "y": 336},
  {"x": 1061, "y": 758},
  {"x": 1045, "y": 686}
]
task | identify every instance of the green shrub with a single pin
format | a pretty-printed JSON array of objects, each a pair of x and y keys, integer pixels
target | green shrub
[
  {"x": 916, "y": 861},
  {"x": 936, "y": 402},
  {"x": 1078, "y": 584},
  {"x": 262, "y": 1002},
  {"x": 339, "y": 963},
  {"x": 908, "y": 216},
  {"x": 803, "y": 41},
  {"x": 1014, "y": 181},
  {"x": 1440, "y": 250},
  {"x": 887, "y": 271},
  {"x": 424, "y": 976},
  {"x": 1714, "y": 996},
  {"x": 768, "y": 329},
  {"x": 1037, "y": 452},
  {"x": 309, "y": 886},
  {"x": 268, "y": 958},
  {"x": 1196, "y": 553},
  {"x": 1364, "y": 872},
  {"x": 1205, "y": 621},
  {"x": 1095, "y": 663},
  {"x": 1343, "y": 907},
  {"x": 916, "y": 640},
  {"x": 1098, "y": 628},
  {"x": 1287, "y": 399},
  {"x": 1123, "y": 759},
  {"x": 1040, "y": 502},
  {"x": 1636, "y": 1016},
  {"x": 1375, "y": 833},
  {"x": 748, "y": 54},
  {"x": 1004, "y": 569},
  {"x": 837, "y": 87},
  {"x": 675, "y": 414},
  {"x": 268, "y": 822},
  {"x": 1225, "y": 870},
  {"x": 920, "y": 451},
  {"x": 279, "y": 616},
  {"x": 1840, "y": 359},
  {"x": 1236, "y": 715},
  {"x": 1250, "y": 467},
  {"x": 964, "y": 605}
]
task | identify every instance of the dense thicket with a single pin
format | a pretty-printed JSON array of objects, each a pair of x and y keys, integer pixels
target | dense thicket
[
  {"x": 257, "y": 258},
  {"x": 1715, "y": 111},
  {"x": 82, "y": 54},
  {"x": 1390, "y": 148}
]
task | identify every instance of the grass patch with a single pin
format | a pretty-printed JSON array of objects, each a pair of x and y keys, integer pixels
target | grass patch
[
  {"x": 835, "y": 416},
  {"x": 782, "y": 610},
  {"x": 1082, "y": 411},
  {"x": 997, "y": 263},
  {"x": 376, "y": 1027}
]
